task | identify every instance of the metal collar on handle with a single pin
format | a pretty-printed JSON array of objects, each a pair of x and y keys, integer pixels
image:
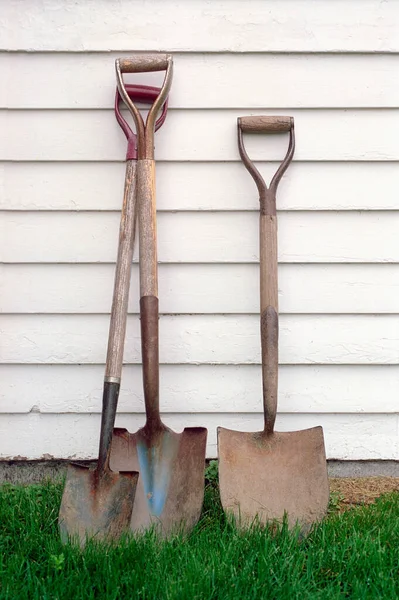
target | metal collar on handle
[{"x": 145, "y": 132}]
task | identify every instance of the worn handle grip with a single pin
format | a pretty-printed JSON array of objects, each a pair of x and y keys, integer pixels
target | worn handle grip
[
  {"x": 147, "y": 227},
  {"x": 143, "y": 63},
  {"x": 117, "y": 329},
  {"x": 265, "y": 124},
  {"x": 149, "y": 291}
]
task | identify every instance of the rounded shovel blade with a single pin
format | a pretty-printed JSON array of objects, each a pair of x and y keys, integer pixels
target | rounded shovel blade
[
  {"x": 96, "y": 507},
  {"x": 170, "y": 489},
  {"x": 262, "y": 478}
]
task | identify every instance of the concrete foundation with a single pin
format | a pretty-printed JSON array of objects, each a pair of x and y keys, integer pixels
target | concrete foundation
[{"x": 25, "y": 472}]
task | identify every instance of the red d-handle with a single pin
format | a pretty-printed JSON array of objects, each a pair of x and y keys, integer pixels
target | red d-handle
[{"x": 139, "y": 93}]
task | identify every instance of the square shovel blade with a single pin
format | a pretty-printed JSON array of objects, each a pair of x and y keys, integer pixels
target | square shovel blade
[
  {"x": 170, "y": 489},
  {"x": 263, "y": 477},
  {"x": 96, "y": 507}
]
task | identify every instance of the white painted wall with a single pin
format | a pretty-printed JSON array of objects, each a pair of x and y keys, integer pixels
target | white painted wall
[{"x": 331, "y": 64}]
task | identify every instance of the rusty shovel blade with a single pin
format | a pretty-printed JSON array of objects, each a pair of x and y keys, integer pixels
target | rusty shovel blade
[
  {"x": 96, "y": 507},
  {"x": 170, "y": 488},
  {"x": 271, "y": 476},
  {"x": 265, "y": 477}
]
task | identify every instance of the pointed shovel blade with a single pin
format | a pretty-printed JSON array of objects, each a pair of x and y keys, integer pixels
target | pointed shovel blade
[
  {"x": 170, "y": 488},
  {"x": 263, "y": 478},
  {"x": 96, "y": 507}
]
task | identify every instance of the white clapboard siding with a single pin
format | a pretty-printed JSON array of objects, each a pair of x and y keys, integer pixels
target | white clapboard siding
[
  {"x": 188, "y": 237},
  {"x": 259, "y": 26},
  {"x": 202, "y": 288},
  {"x": 207, "y": 80},
  {"x": 214, "y": 339},
  {"x": 38, "y": 436},
  {"x": 195, "y": 135},
  {"x": 333, "y": 67},
  {"x": 202, "y": 389},
  {"x": 198, "y": 186}
]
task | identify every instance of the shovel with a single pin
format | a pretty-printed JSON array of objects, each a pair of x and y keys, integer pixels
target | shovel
[
  {"x": 99, "y": 502},
  {"x": 266, "y": 475},
  {"x": 171, "y": 485}
]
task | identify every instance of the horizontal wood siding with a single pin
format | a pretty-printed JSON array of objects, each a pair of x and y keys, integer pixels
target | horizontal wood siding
[
  {"x": 216, "y": 339},
  {"x": 208, "y": 80},
  {"x": 203, "y": 288},
  {"x": 200, "y": 135},
  {"x": 206, "y": 389},
  {"x": 364, "y": 436},
  {"x": 215, "y": 186},
  {"x": 206, "y": 237},
  {"x": 334, "y": 67},
  {"x": 199, "y": 25}
]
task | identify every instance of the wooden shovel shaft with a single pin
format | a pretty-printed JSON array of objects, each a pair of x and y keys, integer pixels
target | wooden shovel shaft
[
  {"x": 149, "y": 312},
  {"x": 268, "y": 254},
  {"x": 117, "y": 329},
  {"x": 147, "y": 228},
  {"x": 268, "y": 262},
  {"x": 269, "y": 316}
]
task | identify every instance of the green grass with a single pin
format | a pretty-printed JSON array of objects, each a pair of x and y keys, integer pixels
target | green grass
[{"x": 349, "y": 555}]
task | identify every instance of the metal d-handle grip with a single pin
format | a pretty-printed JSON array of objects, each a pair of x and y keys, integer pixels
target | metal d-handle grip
[
  {"x": 268, "y": 256},
  {"x": 140, "y": 64},
  {"x": 267, "y": 195},
  {"x": 139, "y": 93}
]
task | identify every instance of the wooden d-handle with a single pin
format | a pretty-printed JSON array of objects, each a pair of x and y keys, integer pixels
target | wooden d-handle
[
  {"x": 143, "y": 63},
  {"x": 140, "y": 63},
  {"x": 265, "y": 124},
  {"x": 268, "y": 254}
]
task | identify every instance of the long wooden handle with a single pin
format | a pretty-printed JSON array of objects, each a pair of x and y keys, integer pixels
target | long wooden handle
[
  {"x": 117, "y": 328},
  {"x": 149, "y": 312},
  {"x": 268, "y": 254},
  {"x": 147, "y": 228},
  {"x": 269, "y": 316}
]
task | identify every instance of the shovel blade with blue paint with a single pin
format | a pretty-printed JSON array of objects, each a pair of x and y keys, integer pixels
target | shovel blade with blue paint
[
  {"x": 171, "y": 465},
  {"x": 170, "y": 488}
]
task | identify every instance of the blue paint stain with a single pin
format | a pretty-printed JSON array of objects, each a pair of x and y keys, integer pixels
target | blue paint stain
[{"x": 155, "y": 470}]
